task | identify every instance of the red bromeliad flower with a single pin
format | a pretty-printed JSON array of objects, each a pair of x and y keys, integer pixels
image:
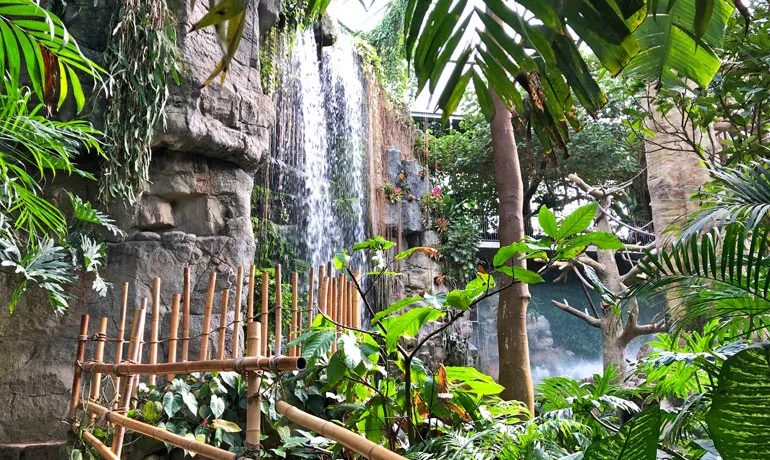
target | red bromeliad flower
[{"x": 436, "y": 191}]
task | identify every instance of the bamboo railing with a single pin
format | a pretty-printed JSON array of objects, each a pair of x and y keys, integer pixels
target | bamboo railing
[{"x": 331, "y": 295}]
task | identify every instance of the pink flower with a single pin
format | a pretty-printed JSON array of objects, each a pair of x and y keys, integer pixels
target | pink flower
[
  {"x": 397, "y": 190},
  {"x": 436, "y": 191}
]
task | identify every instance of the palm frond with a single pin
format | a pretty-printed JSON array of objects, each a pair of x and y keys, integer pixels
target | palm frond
[
  {"x": 720, "y": 274},
  {"x": 740, "y": 194},
  {"x": 33, "y": 36}
]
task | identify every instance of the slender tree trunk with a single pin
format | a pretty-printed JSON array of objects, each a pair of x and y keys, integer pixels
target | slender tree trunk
[{"x": 513, "y": 346}]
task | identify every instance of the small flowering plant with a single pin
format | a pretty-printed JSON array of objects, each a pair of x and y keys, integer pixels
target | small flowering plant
[
  {"x": 442, "y": 225},
  {"x": 431, "y": 202},
  {"x": 393, "y": 193}
]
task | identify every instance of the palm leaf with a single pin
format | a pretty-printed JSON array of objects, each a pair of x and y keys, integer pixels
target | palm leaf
[
  {"x": 727, "y": 270},
  {"x": 26, "y": 31},
  {"x": 740, "y": 194}
]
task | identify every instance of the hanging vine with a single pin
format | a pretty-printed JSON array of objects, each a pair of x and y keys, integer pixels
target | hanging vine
[{"x": 141, "y": 57}]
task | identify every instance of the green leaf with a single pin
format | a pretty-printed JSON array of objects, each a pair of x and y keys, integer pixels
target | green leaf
[
  {"x": 506, "y": 252},
  {"x": 152, "y": 411},
  {"x": 191, "y": 402},
  {"x": 172, "y": 402},
  {"x": 351, "y": 351},
  {"x": 336, "y": 368},
  {"x": 217, "y": 405},
  {"x": 315, "y": 343},
  {"x": 670, "y": 51},
  {"x": 577, "y": 221},
  {"x": 408, "y": 324},
  {"x": 703, "y": 11},
  {"x": 739, "y": 418},
  {"x": 470, "y": 380},
  {"x": 397, "y": 306},
  {"x": 484, "y": 98},
  {"x": 602, "y": 240},
  {"x": 522, "y": 274},
  {"x": 636, "y": 440},
  {"x": 547, "y": 222}
]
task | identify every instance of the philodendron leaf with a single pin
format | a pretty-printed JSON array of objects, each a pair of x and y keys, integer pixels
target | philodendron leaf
[
  {"x": 739, "y": 418},
  {"x": 172, "y": 403},
  {"x": 636, "y": 440},
  {"x": 217, "y": 405}
]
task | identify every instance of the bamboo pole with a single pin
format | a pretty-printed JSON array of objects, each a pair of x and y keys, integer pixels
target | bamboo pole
[
  {"x": 347, "y": 438},
  {"x": 250, "y": 295},
  {"x": 357, "y": 301},
  {"x": 310, "y": 308},
  {"x": 278, "y": 305},
  {"x": 96, "y": 381},
  {"x": 264, "y": 317},
  {"x": 134, "y": 354},
  {"x": 103, "y": 450},
  {"x": 204, "y": 351},
  {"x": 186, "y": 315},
  {"x": 223, "y": 324},
  {"x": 323, "y": 286},
  {"x": 235, "y": 351},
  {"x": 154, "y": 327},
  {"x": 329, "y": 270},
  {"x": 294, "y": 314},
  {"x": 188, "y": 444},
  {"x": 172, "y": 339},
  {"x": 80, "y": 357},
  {"x": 333, "y": 310},
  {"x": 261, "y": 363},
  {"x": 349, "y": 309},
  {"x": 119, "y": 343},
  {"x": 253, "y": 393},
  {"x": 341, "y": 305}
]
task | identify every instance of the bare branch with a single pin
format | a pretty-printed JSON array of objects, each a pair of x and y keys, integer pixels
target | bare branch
[
  {"x": 583, "y": 284},
  {"x": 595, "y": 322}
]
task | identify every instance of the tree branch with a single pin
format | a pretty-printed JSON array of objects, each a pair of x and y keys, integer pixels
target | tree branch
[
  {"x": 595, "y": 322},
  {"x": 583, "y": 284}
]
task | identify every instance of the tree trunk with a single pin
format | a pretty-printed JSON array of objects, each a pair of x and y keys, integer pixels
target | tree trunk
[
  {"x": 612, "y": 325},
  {"x": 674, "y": 172},
  {"x": 513, "y": 346}
]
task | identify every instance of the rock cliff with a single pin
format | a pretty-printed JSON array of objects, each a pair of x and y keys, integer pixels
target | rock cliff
[{"x": 196, "y": 212}]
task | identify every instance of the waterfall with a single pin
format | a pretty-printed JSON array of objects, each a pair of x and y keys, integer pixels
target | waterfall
[{"x": 318, "y": 175}]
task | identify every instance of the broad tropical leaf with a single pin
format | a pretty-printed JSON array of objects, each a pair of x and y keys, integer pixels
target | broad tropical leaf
[
  {"x": 671, "y": 48},
  {"x": 739, "y": 419},
  {"x": 636, "y": 440}
]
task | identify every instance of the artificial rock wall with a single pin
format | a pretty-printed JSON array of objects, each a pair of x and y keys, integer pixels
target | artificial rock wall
[{"x": 195, "y": 212}]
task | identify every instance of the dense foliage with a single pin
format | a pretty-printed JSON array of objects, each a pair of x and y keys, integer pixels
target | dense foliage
[{"x": 41, "y": 242}]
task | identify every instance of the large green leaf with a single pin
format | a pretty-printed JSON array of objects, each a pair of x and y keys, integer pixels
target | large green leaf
[
  {"x": 739, "y": 418},
  {"x": 408, "y": 324},
  {"x": 636, "y": 440},
  {"x": 670, "y": 51}
]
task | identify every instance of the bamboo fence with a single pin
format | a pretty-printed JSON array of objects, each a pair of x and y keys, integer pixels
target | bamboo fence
[{"x": 332, "y": 295}]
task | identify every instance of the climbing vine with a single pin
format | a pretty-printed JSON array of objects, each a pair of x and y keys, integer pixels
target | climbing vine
[{"x": 141, "y": 57}]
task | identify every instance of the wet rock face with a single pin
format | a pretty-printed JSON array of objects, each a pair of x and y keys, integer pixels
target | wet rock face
[{"x": 195, "y": 212}]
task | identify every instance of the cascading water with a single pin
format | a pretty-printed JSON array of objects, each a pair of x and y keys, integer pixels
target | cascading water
[{"x": 318, "y": 175}]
